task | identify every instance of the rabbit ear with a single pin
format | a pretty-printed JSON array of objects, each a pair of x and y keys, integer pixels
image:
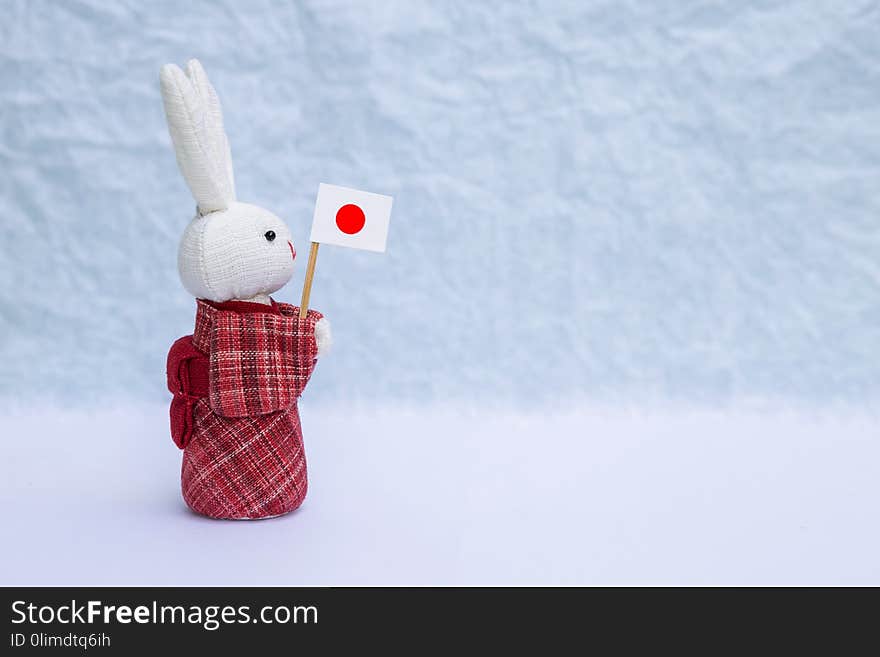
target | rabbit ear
[
  {"x": 214, "y": 114},
  {"x": 196, "y": 132}
]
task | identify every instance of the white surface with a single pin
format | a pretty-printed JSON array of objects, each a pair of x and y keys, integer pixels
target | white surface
[
  {"x": 591, "y": 198},
  {"x": 377, "y": 214},
  {"x": 409, "y": 497}
]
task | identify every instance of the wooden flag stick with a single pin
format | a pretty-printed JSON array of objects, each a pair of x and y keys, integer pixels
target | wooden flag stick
[{"x": 307, "y": 284}]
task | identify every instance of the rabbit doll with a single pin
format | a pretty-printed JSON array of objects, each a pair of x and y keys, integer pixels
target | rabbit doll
[{"x": 237, "y": 378}]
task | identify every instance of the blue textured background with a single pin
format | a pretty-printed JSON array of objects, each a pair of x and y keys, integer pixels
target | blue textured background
[{"x": 613, "y": 200}]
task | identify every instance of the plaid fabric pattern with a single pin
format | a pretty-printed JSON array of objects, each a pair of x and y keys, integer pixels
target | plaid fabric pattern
[
  {"x": 238, "y": 468},
  {"x": 245, "y": 456},
  {"x": 259, "y": 362}
]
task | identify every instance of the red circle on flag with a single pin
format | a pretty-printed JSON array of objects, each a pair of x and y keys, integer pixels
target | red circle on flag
[{"x": 350, "y": 219}]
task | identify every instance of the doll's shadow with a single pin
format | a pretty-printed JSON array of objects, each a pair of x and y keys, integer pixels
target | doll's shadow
[{"x": 184, "y": 510}]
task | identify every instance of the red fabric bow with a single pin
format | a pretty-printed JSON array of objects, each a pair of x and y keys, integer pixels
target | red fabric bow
[{"x": 187, "y": 373}]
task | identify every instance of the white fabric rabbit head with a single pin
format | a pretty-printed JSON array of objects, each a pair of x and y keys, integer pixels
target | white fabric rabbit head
[{"x": 230, "y": 250}]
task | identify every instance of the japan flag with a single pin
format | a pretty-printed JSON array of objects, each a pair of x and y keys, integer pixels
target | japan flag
[{"x": 350, "y": 217}]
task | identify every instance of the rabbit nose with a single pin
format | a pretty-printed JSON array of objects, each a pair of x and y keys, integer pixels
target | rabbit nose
[{"x": 292, "y": 250}]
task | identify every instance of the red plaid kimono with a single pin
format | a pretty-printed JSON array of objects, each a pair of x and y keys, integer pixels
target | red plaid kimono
[{"x": 235, "y": 383}]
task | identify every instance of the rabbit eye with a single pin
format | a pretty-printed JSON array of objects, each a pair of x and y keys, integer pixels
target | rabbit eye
[{"x": 270, "y": 235}]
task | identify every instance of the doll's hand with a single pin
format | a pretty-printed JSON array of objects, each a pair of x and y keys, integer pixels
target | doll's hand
[{"x": 322, "y": 336}]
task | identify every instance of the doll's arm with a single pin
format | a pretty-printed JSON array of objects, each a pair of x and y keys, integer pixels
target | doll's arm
[
  {"x": 260, "y": 364},
  {"x": 300, "y": 349},
  {"x": 323, "y": 337}
]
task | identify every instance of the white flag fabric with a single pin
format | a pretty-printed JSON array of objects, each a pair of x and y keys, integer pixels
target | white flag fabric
[{"x": 350, "y": 217}]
